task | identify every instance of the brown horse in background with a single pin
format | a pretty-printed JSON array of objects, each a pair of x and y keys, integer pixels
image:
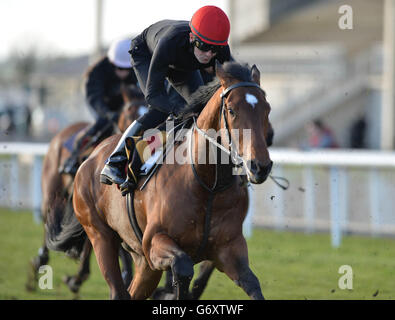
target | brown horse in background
[
  {"x": 57, "y": 190},
  {"x": 171, "y": 209}
]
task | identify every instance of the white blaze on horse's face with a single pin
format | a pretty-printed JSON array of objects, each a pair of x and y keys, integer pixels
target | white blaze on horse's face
[{"x": 251, "y": 99}]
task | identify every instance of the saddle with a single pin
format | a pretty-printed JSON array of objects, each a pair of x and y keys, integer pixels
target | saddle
[
  {"x": 146, "y": 153},
  {"x": 81, "y": 144}
]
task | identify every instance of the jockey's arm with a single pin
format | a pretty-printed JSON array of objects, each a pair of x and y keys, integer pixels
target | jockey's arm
[
  {"x": 156, "y": 94},
  {"x": 95, "y": 92}
]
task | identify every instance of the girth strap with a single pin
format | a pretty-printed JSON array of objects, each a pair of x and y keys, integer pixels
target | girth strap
[
  {"x": 132, "y": 216},
  {"x": 207, "y": 221}
]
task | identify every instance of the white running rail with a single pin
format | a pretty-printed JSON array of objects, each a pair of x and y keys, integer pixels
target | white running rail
[{"x": 355, "y": 187}]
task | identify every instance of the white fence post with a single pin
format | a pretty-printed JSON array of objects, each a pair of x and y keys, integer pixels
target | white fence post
[
  {"x": 14, "y": 181},
  {"x": 343, "y": 205},
  {"x": 335, "y": 207},
  {"x": 279, "y": 209},
  {"x": 36, "y": 187},
  {"x": 247, "y": 225},
  {"x": 14, "y": 150},
  {"x": 309, "y": 200},
  {"x": 374, "y": 197}
]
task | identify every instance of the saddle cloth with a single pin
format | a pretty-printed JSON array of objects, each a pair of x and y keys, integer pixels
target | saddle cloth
[
  {"x": 143, "y": 153},
  {"x": 69, "y": 143}
]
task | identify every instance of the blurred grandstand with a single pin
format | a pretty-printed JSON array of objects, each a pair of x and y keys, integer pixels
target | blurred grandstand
[
  {"x": 310, "y": 69},
  {"x": 51, "y": 95}
]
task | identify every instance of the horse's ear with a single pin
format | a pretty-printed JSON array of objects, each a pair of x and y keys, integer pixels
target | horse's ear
[
  {"x": 221, "y": 74},
  {"x": 256, "y": 74}
]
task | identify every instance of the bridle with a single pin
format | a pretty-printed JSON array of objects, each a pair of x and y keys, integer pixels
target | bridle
[
  {"x": 231, "y": 151},
  {"x": 237, "y": 160}
]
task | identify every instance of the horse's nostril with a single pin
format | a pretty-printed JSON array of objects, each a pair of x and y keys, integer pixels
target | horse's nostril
[
  {"x": 253, "y": 166},
  {"x": 257, "y": 167}
]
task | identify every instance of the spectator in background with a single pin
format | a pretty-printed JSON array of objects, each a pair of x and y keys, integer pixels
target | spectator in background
[
  {"x": 357, "y": 133},
  {"x": 320, "y": 135}
]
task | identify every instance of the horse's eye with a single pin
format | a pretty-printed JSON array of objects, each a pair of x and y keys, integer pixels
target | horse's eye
[{"x": 232, "y": 113}]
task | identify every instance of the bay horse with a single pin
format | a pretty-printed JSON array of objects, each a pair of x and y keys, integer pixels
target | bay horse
[
  {"x": 57, "y": 190},
  {"x": 172, "y": 210}
]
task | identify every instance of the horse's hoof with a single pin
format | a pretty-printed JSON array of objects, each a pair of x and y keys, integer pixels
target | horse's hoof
[
  {"x": 31, "y": 282},
  {"x": 76, "y": 296},
  {"x": 163, "y": 294},
  {"x": 169, "y": 296},
  {"x": 73, "y": 285},
  {"x": 29, "y": 287}
]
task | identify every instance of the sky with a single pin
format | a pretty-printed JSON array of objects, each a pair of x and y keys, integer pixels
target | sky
[{"x": 67, "y": 27}]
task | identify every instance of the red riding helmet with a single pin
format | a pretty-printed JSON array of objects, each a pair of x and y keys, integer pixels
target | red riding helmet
[{"x": 211, "y": 25}]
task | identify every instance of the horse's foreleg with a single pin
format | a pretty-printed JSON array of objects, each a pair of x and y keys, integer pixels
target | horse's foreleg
[
  {"x": 75, "y": 282},
  {"x": 164, "y": 253},
  {"x": 206, "y": 269},
  {"x": 166, "y": 292},
  {"x": 233, "y": 260},
  {"x": 145, "y": 280}
]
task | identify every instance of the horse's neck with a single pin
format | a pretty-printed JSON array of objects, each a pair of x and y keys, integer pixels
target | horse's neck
[
  {"x": 210, "y": 173},
  {"x": 209, "y": 117}
]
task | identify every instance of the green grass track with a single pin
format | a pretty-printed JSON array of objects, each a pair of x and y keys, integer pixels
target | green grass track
[{"x": 289, "y": 265}]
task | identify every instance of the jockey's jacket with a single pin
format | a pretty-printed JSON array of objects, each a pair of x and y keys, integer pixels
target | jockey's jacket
[
  {"x": 103, "y": 87},
  {"x": 167, "y": 46}
]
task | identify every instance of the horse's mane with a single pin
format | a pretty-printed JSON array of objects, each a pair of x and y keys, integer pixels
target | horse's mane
[
  {"x": 201, "y": 96},
  {"x": 204, "y": 93},
  {"x": 131, "y": 92}
]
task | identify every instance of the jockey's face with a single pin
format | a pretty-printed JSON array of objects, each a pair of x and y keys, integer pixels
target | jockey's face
[
  {"x": 122, "y": 73},
  {"x": 203, "y": 57}
]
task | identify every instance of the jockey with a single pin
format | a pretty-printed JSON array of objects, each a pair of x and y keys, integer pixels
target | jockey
[
  {"x": 103, "y": 94},
  {"x": 176, "y": 51}
]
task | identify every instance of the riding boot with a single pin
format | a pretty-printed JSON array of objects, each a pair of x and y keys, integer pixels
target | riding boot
[
  {"x": 114, "y": 169},
  {"x": 70, "y": 166}
]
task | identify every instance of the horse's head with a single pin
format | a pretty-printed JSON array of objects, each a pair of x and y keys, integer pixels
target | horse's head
[
  {"x": 134, "y": 106},
  {"x": 245, "y": 112}
]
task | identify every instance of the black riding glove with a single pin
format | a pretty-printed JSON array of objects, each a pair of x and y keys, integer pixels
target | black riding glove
[{"x": 177, "y": 111}]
